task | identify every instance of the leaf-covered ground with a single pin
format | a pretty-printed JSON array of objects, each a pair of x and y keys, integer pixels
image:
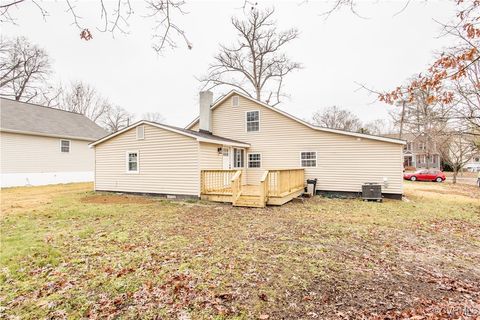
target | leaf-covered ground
[{"x": 69, "y": 253}]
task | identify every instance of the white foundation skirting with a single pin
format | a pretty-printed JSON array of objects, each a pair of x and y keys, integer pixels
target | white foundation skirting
[{"x": 44, "y": 178}]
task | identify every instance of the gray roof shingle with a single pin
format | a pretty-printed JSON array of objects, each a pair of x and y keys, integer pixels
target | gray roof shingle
[
  {"x": 36, "y": 119},
  {"x": 203, "y": 134}
]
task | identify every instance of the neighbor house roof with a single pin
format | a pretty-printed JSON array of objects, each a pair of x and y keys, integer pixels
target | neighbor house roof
[
  {"x": 199, "y": 136},
  {"x": 34, "y": 119},
  {"x": 406, "y": 136},
  {"x": 347, "y": 133}
]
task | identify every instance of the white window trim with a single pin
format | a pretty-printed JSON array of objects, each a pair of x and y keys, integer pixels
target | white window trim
[
  {"x": 234, "y": 160},
  {"x": 69, "y": 145},
  {"x": 248, "y": 160},
  {"x": 138, "y": 162},
  {"x": 259, "y": 120},
  {"x": 316, "y": 159},
  {"x": 236, "y": 97},
  {"x": 136, "y": 132}
]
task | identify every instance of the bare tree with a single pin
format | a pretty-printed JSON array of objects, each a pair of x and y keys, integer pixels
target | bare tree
[
  {"x": 163, "y": 12},
  {"x": 378, "y": 127},
  {"x": 457, "y": 148},
  {"x": 82, "y": 98},
  {"x": 337, "y": 118},
  {"x": 420, "y": 117},
  {"x": 256, "y": 64},
  {"x": 117, "y": 118},
  {"x": 24, "y": 69},
  {"x": 153, "y": 116},
  {"x": 115, "y": 18},
  {"x": 467, "y": 98}
]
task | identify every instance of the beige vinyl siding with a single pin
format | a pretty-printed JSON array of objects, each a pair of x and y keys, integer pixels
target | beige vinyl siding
[
  {"x": 344, "y": 162},
  {"x": 168, "y": 163},
  {"x": 209, "y": 157},
  {"x": 22, "y": 153}
]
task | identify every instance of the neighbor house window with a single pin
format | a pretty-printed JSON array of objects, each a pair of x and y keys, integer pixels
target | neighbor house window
[
  {"x": 140, "y": 132},
  {"x": 132, "y": 162},
  {"x": 253, "y": 121},
  {"x": 421, "y": 159},
  {"x": 235, "y": 100},
  {"x": 238, "y": 158},
  {"x": 254, "y": 160},
  {"x": 308, "y": 159},
  {"x": 65, "y": 145}
]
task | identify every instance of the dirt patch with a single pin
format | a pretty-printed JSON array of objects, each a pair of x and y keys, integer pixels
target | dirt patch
[{"x": 115, "y": 199}]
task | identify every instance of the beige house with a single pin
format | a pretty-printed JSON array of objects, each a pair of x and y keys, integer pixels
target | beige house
[
  {"x": 41, "y": 145},
  {"x": 243, "y": 151}
]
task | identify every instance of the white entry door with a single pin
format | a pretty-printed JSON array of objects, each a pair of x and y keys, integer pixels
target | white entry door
[{"x": 227, "y": 163}]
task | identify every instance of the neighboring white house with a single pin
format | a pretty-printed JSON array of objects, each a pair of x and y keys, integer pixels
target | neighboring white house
[
  {"x": 474, "y": 163},
  {"x": 41, "y": 145},
  {"x": 241, "y": 150}
]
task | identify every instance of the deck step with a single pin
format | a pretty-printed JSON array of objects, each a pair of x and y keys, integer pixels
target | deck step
[{"x": 249, "y": 201}]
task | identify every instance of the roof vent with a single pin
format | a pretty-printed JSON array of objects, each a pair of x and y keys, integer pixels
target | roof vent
[
  {"x": 235, "y": 101},
  {"x": 140, "y": 132}
]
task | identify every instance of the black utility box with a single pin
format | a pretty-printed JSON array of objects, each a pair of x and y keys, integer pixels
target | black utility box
[{"x": 372, "y": 191}]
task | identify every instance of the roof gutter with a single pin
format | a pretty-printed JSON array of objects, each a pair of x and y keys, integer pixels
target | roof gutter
[
  {"x": 225, "y": 143},
  {"x": 200, "y": 139}
]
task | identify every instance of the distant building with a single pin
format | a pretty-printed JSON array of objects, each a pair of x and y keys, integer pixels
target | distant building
[
  {"x": 41, "y": 145},
  {"x": 474, "y": 163},
  {"x": 420, "y": 152}
]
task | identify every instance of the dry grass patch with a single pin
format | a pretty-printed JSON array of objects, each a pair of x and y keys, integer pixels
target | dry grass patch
[{"x": 20, "y": 199}]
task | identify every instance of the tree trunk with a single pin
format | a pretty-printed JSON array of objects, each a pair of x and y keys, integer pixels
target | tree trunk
[
  {"x": 455, "y": 172},
  {"x": 402, "y": 119}
]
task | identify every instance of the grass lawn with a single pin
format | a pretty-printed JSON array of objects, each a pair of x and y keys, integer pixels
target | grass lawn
[{"x": 67, "y": 252}]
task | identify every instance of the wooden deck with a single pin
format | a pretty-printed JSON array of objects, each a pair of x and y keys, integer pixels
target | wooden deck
[{"x": 276, "y": 187}]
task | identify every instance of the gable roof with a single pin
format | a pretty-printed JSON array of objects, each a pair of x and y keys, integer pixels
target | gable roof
[
  {"x": 34, "y": 119},
  {"x": 199, "y": 136},
  {"x": 318, "y": 128}
]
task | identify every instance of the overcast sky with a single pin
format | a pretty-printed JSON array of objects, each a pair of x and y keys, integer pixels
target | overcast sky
[{"x": 381, "y": 52}]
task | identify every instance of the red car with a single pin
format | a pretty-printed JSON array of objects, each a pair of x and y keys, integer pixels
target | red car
[{"x": 425, "y": 175}]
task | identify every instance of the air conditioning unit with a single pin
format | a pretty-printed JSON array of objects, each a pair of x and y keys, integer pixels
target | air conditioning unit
[{"x": 372, "y": 191}]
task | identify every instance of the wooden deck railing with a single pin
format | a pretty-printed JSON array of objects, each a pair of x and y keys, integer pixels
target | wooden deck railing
[
  {"x": 284, "y": 181},
  {"x": 264, "y": 185},
  {"x": 217, "y": 181},
  {"x": 275, "y": 186},
  {"x": 236, "y": 186}
]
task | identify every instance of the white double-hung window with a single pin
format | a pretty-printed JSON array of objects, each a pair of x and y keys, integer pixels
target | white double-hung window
[
  {"x": 65, "y": 146},
  {"x": 308, "y": 159},
  {"x": 238, "y": 158},
  {"x": 253, "y": 121},
  {"x": 133, "y": 164},
  {"x": 254, "y": 160}
]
